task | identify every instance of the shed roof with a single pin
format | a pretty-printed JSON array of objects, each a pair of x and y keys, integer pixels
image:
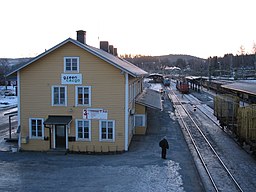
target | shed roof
[
  {"x": 244, "y": 87},
  {"x": 150, "y": 98},
  {"x": 119, "y": 63}
]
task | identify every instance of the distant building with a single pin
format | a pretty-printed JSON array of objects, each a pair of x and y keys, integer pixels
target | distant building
[{"x": 80, "y": 98}]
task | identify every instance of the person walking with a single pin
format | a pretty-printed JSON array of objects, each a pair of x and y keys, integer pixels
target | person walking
[{"x": 164, "y": 145}]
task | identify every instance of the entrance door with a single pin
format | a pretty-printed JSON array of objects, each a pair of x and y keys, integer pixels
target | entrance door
[{"x": 60, "y": 136}]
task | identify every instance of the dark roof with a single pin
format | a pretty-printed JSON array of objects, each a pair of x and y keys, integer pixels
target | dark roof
[
  {"x": 58, "y": 120},
  {"x": 244, "y": 87},
  {"x": 222, "y": 81},
  {"x": 11, "y": 114},
  {"x": 150, "y": 98},
  {"x": 155, "y": 75},
  {"x": 111, "y": 59}
]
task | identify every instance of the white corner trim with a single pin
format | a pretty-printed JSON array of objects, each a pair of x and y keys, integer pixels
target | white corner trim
[
  {"x": 18, "y": 87},
  {"x": 126, "y": 143},
  {"x": 66, "y": 129}
]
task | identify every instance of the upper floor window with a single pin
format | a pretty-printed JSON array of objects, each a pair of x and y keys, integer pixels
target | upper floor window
[
  {"x": 59, "y": 95},
  {"x": 36, "y": 128},
  {"x": 83, "y": 95},
  {"x": 71, "y": 64}
]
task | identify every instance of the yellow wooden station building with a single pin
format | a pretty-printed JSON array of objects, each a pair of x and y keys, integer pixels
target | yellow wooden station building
[{"x": 79, "y": 98}]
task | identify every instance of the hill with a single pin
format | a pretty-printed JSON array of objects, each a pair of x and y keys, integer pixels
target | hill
[
  {"x": 16, "y": 61},
  {"x": 174, "y": 57}
]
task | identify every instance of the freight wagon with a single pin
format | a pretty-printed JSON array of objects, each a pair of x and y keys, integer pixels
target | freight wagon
[
  {"x": 225, "y": 109},
  {"x": 247, "y": 125},
  {"x": 240, "y": 121}
]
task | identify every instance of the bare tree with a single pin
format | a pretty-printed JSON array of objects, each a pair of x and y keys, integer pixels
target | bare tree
[
  {"x": 254, "y": 52},
  {"x": 4, "y": 68},
  {"x": 254, "y": 48},
  {"x": 242, "y": 50}
]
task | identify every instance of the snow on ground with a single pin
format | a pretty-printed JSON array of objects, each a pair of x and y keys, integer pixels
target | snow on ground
[
  {"x": 7, "y": 101},
  {"x": 87, "y": 173},
  {"x": 145, "y": 179}
]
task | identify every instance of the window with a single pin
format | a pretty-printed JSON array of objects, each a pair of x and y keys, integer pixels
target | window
[
  {"x": 139, "y": 121},
  {"x": 107, "y": 130},
  {"x": 71, "y": 64},
  {"x": 59, "y": 95},
  {"x": 83, "y": 130},
  {"x": 36, "y": 128},
  {"x": 83, "y": 96}
]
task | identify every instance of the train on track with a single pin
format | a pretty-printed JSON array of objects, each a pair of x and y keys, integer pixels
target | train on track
[
  {"x": 182, "y": 85},
  {"x": 216, "y": 85},
  {"x": 166, "y": 81},
  {"x": 239, "y": 120}
]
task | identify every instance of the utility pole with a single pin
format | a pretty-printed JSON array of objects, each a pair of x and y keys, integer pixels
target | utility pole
[
  {"x": 231, "y": 66},
  {"x": 209, "y": 72}
]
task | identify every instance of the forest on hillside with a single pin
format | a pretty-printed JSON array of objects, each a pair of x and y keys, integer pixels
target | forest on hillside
[
  {"x": 229, "y": 66},
  {"x": 240, "y": 66}
]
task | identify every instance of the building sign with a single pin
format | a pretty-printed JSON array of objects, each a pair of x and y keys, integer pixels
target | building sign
[
  {"x": 71, "y": 78},
  {"x": 95, "y": 114}
]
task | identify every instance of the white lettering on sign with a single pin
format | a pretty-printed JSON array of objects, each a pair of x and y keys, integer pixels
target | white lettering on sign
[
  {"x": 95, "y": 114},
  {"x": 71, "y": 78}
]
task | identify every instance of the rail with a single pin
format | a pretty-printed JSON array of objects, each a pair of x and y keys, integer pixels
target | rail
[{"x": 203, "y": 156}]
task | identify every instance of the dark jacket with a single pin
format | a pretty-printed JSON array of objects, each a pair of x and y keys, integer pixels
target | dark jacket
[{"x": 164, "y": 144}]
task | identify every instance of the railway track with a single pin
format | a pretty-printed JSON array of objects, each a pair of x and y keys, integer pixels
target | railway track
[
  {"x": 204, "y": 109},
  {"x": 219, "y": 175}
]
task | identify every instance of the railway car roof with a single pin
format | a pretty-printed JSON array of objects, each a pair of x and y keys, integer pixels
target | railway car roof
[
  {"x": 193, "y": 77},
  {"x": 222, "y": 82}
]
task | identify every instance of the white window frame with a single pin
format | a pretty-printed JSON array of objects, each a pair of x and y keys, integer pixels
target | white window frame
[
  {"x": 135, "y": 90},
  {"x": 90, "y": 95},
  {"x": 66, "y": 99},
  {"x": 83, "y": 139},
  {"x": 30, "y": 128},
  {"x": 130, "y": 93},
  {"x": 107, "y": 139},
  {"x": 70, "y": 71},
  {"x": 138, "y": 87},
  {"x": 143, "y": 120}
]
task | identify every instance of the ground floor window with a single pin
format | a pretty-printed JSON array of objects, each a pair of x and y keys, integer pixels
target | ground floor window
[
  {"x": 107, "y": 130},
  {"x": 139, "y": 120},
  {"x": 83, "y": 130},
  {"x": 36, "y": 128}
]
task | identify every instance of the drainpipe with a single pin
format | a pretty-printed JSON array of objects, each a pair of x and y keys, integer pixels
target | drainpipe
[
  {"x": 126, "y": 131},
  {"x": 67, "y": 127},
  {"x": 50, "y": 137},
  {"x": 18, "y": 89}
]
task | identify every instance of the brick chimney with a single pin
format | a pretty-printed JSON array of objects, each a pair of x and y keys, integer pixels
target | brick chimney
[
  {"x": 81, "y": 36},
  {"x": 104, "y": 46},
  {"x": 111, "y": 49},
  {"x": 115, "y": 52}
]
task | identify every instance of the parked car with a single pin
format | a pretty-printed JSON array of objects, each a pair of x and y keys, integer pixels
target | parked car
[{"x": 9, "y": 93}]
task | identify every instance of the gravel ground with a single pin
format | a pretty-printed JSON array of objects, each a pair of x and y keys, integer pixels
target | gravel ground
[{"x": 240, "y": 163}]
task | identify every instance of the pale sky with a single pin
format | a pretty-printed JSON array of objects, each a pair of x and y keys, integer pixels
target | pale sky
[{"x": 201, "y": 28}]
